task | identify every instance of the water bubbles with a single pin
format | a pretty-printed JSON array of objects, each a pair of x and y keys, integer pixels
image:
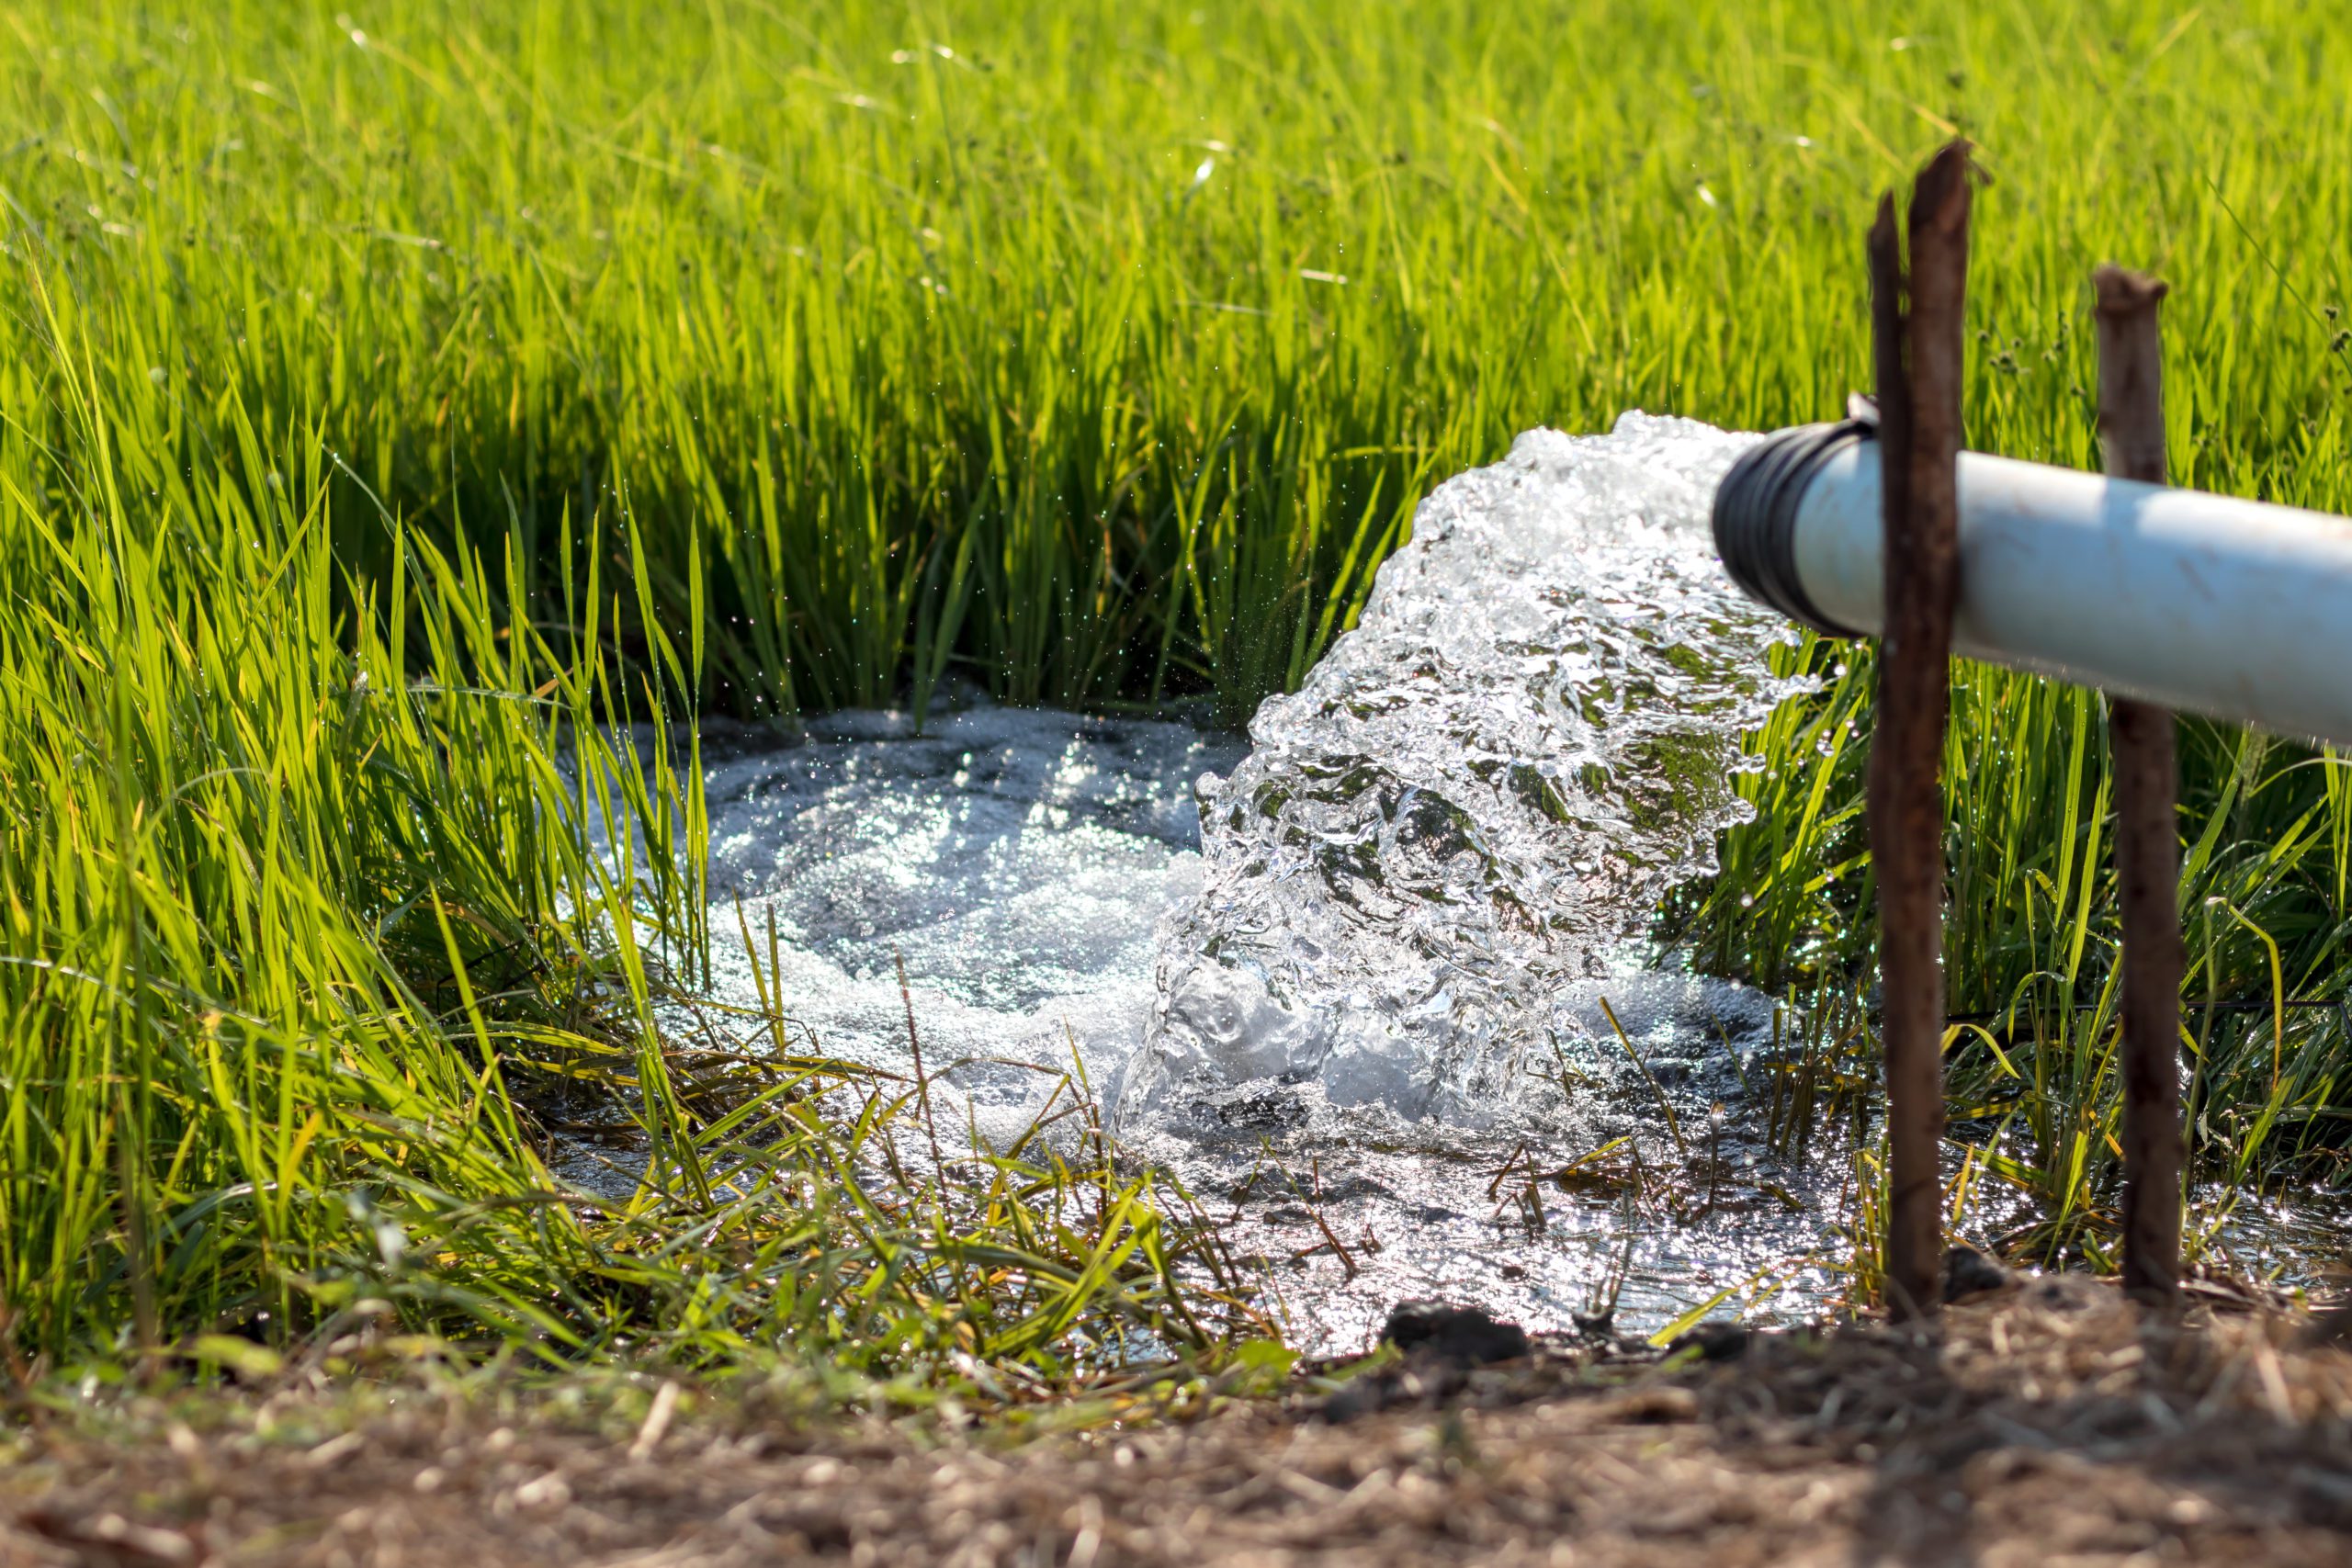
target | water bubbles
[
  {"x": 1530, "y": 737},
  {"x": 1018, "y": 859}
]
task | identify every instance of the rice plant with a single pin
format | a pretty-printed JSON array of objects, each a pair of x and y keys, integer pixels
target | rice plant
[
  {"x": 325, "y": 895},
  {"x": 400, "y": 401},
  {"x": 1100, "y": 351},
  {"x": 2032, "y": 934}
]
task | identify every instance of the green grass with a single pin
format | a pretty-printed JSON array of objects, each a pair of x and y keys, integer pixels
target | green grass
[
  {"x": 2032, "y": 935},
  {"x": 917, "y": 323},
  {"x": 552, "y": 364},
  {"x": 324, "y": 897}
]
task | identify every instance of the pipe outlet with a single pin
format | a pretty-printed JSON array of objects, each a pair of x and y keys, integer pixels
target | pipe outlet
[{"x": 2231, "y": 609}]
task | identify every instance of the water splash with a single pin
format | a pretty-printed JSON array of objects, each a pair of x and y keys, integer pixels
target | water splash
[
  {"x": 1486, "y": 784},
  {"x": 1383, "y": 970}
]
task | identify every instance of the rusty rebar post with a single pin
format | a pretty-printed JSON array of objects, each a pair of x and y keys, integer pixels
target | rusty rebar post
[
  {"x": 2147, "y": 841},
  {"x": 1916, "y": 323}
]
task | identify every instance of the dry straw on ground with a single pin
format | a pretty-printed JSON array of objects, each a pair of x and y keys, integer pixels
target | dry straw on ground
[{"x": 2051, "y": 1424}]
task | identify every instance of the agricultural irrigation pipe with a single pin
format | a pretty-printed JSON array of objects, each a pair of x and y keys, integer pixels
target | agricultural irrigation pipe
[{"x": 2232, "y": 609}]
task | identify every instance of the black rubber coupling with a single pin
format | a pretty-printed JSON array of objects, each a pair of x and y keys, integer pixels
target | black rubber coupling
[{"x": 1756, "y": 514}]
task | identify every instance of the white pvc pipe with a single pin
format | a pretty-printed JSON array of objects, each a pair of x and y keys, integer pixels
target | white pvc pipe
[{"x": 2231, "y": 609}]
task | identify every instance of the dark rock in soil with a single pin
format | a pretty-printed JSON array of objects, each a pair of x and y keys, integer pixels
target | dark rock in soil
[
  {"x": 1714, "y": 1341},
  {"x": 1460, "y": 1336},
  {"x": 1969, "y": 1273}
]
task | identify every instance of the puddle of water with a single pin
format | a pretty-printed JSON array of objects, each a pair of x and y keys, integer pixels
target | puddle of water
[
  {"x": 1031, "y": 868},
  {"x": 1019, "y": 861}
]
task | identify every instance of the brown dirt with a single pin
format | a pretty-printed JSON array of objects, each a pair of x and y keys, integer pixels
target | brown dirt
[{"x": 2054, "y": 1425}]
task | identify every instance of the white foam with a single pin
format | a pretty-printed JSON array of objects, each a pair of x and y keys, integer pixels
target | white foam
[
  {"x": 1019, "y": 861},
  {"x": 1481, "y": 789}
]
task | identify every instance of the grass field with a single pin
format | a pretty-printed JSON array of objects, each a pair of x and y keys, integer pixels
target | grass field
[{"x": 537, "y": 362}]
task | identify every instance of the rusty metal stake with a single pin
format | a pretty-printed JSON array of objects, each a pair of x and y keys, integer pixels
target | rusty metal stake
[
  {"x": 1917, "y": 324},
  {"x": 2147, "y": 843}
]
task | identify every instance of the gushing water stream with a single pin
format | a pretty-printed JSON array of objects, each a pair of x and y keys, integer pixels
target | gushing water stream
[
  {"x": 1337, "y": 978},
  {"x": 1481, "y": 790}
]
